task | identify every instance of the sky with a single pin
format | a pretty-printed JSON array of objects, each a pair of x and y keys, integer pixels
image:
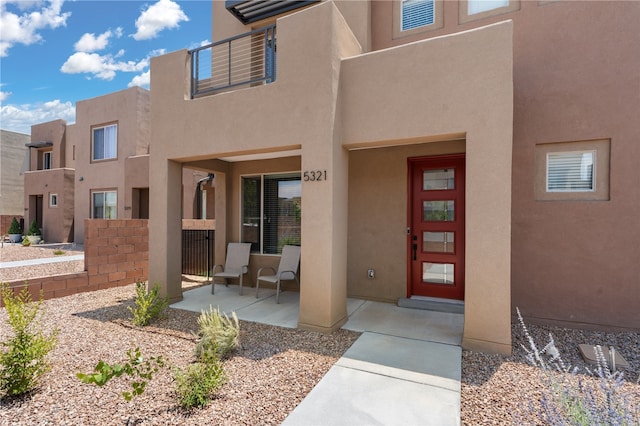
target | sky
[{"x": 55, "y": 53}]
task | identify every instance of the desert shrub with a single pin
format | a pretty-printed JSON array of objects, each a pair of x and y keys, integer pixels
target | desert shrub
[
  {"x": 58, "y": 252},
  {"x": 14, "y": 228},
  {"x": 198, "y": 383},
  {"x": 33, "y": 228},
  {"x": 136, "y": 367},
  {"x": 567, "y": 399},
  {"x": 26, "y": 242},
  {"x": 149, "y": 305},
  {"x": 218, "y": 334},
  {"x": 23, "y": 362}
]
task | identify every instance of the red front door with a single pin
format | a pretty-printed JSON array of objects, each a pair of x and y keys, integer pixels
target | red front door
[{"x": 436, "y": 227}]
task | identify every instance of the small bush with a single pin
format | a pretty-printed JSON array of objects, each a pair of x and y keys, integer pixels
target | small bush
[
  {"x": 58, "y": 252},
  {"x": 149, "y": 305},
  {"x": 14, "y": 228},
  {"x": 24, "y": 361},
  {"x": 26, "y": 242},
  {"x": 218, "y": 334},
  {"x": 33, "y": 228},
  {"x": 197, "y": 384},
  {"x": 137, "y": 367}
]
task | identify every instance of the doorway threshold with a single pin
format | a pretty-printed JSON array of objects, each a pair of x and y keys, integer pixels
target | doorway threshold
[{"x": 432, "y": 304}]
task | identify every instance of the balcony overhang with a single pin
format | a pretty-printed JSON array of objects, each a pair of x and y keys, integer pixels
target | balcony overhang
[
  {"x": 248, "y": 11},
  {"x": 40, "y": 144}
]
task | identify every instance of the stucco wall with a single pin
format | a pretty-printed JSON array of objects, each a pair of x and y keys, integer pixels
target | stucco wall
[{"x": 13, "y": 154}]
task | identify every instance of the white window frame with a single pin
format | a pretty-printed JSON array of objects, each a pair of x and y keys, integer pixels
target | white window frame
[
  {"x": 572, "y": 153},
  {"x": 261, "y": 226},
  {"x": 398, "y": 31},
  {"x": 53, "y": 200},
  {"x": 108, "y": 153},
  {"x": 104, "y": 200}
]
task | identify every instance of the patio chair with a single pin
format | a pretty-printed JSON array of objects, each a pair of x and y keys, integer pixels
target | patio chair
[
  {"x": 287, "y": 270},
  {"x": 236, "y": 264}
]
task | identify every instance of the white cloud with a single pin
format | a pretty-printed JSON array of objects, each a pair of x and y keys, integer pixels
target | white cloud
[
  {"x": 4, "y": 96},
  {"x": 23, "y": 28},
  {"x": 141, "y": 80},
  {"x": 101, "y": 66},
  {"x": 20, "y": 118},
  {"x": 159, "y": 16},
  {"x": 89, "y": 42}
]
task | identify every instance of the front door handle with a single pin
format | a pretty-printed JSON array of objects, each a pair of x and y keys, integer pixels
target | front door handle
[{"x": 415, "y": 251}]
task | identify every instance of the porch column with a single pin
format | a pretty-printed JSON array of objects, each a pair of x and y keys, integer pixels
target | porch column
[
  {"x": 165, "y": 227},
  {"x": 323, "y": 265}
]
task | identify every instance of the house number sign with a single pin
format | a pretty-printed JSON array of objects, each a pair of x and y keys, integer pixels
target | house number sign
[{"x": 314, "y": 175}]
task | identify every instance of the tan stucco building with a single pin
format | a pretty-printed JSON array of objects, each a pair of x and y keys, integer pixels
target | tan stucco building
[{"x": 13, "y": 164}]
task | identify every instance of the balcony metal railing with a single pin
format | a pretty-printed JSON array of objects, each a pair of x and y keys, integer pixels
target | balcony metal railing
[{"x": 244, "y": 60}]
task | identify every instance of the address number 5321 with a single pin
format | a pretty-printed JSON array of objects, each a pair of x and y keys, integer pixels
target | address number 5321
[{"x": 314, "y": 176}]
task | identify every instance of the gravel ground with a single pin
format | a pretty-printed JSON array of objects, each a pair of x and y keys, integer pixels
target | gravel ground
[
  {"x": 13, "y": 252},
  {"x": 271, "y": 373}
]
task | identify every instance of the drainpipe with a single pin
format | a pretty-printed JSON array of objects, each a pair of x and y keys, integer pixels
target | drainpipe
[{"x": 209, "y": 178}]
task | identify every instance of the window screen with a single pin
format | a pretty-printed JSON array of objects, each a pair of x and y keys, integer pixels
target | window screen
[
  {"x": 570, "y": 171},
  {"x": 417, "y": 13}
]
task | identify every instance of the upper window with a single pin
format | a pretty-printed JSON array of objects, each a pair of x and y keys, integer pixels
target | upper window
[
  {"x": 104, "y": 204},
  {"x": 470, "y": 10},
  {"x": 105, "y": 142},
  {"x": 46, "y": 160},
  {"x": 271, "y": 211},
  {"x": 416, "y": 16},
  {"x": 417, "y": 13},
  {"x": 573, "y": 170}
]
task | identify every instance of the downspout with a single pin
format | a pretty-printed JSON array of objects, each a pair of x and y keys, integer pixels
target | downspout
[{"x": 209, "y": 178}]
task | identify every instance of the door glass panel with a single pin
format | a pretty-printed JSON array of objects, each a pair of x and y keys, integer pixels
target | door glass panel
[
  {"x": 437, "y": 242},
  {"x": 437, "y": 273},
  {"x": 438, "y": 179},
  {"x": 438, "y": 211}
]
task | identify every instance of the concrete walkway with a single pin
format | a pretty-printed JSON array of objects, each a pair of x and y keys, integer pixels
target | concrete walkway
[
  {"x": 40, "y": 261},
  {"x": 404, "y": 369}
]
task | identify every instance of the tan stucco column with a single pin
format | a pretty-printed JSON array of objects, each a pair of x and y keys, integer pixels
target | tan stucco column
[
  {"x": 165, "y": 226},
  {"x": 323, "y": 264}
]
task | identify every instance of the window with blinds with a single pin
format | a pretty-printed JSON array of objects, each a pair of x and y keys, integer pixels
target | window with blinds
[
  {"x": 105, "y": 142},
  {"x": 271, "y": 211},
  {"x": 571, "y": 171},
  {"x": 417, "y": 13}
]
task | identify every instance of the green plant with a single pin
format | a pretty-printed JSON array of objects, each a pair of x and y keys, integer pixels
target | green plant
[
  {"x": 218, "y": 334},
  {"x": 26, "y": 242},
  {"x": 136, "y": 367},
  {"x": 14, "y": 228},
  {"x": 58, "y": 252},
  {"x": 33, "y": 228},
  {"x": 197, "y": 384},
  {"x": 149, "y": 305},
  {"x": 24, "y": 361}
]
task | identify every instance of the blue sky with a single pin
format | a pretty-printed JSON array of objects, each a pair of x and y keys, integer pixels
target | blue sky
[{"x": 54, "y": 53}]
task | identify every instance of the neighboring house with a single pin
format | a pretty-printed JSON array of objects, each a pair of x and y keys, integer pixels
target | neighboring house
[
  {"x": 99, "y": 168},
  {"x": 13, "y": 163},
  {"x": 49, "y": 182},
  {"x": 112, "y": 138},
  {"x": 477, "y": 151}
]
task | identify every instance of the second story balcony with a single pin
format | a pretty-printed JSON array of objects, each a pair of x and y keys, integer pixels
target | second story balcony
[{"x": 242, "y": 61}]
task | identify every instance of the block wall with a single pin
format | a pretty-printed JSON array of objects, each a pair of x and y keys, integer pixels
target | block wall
[{"x": 116, "y": 253}]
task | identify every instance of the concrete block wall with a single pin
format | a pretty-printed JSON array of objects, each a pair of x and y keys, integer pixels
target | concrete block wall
[{"x": 116, "y": 253}]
